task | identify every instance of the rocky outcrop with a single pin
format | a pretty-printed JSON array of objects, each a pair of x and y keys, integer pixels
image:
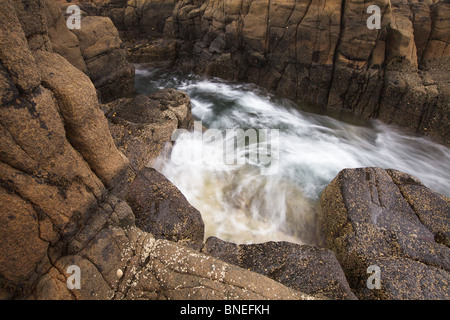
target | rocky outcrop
[
  {"x": 323, "y": 52},
  {"x": 134, "y": 18},
  {"x": 120, "y": 261},
  {"x": 56, "y": 153},
  {"x": 100, "y": 46},
  {"x": 142, "y": 126},
  {"x": 93, "y": 49},
  {"x": 388, "y": 219},
  {"x": 59, "y": 205},
  {"x": 319, "y": 51},
  {"x": 307, "y": 269},
  {"x": 162, "y": 210}
]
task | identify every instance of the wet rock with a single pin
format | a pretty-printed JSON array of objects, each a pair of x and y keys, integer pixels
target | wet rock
[
  {"x": 308, "y": 269},
  {"x": 384, "y": 218},
  {"x": 142, "y": 127},
  {"x": 162, "y": 210}
]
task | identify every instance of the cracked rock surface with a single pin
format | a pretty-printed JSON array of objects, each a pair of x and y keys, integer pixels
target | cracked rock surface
[
  {"x": 385, "y": 218},
  {"x": 319, "y": 51}
]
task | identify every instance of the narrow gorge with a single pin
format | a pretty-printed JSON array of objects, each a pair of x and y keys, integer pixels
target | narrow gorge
[{"x": 101, "y": 127}]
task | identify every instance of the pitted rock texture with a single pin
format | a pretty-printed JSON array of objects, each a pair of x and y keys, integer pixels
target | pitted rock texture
[
  {"x": 307, "y": 269},
  {"x": 101, "y": 48},
  {"x": 149, "y": 268},
  {"x": 56, "y": 153},
  {"x": 385, "y": 218},
  {"x": 142, "y": 126}
]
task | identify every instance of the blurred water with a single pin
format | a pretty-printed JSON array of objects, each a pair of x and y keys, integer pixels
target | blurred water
[{"x": 240, "y": 204}]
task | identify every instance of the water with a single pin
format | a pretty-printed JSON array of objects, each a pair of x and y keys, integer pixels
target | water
[{"x": 242, "y": 205}]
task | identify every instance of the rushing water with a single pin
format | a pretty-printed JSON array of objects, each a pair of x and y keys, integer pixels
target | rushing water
[{"x": 239, "y": 203}]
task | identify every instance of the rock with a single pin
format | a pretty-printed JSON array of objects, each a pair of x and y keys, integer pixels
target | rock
[
  {"x": 152, "y": 269},
  {"x": 148, "y": 17},
  {"x": 323, "y": 54},
  {"x": 159, "y": 53},
  {"x": 18, "y": 65},
  {"x": 101, "y": 47},
  {"x": 308, "y": 269},
  {"x": 162, "y": 210},
  {"x": 142, "y": 126},
  {"x": 64, "y": 42},
  {"x": 92, "y": 49},
  {"x": 57, "y": 159},
  {"x": 50, "y": 176},
  {"x": 305, "y": 51},
  {"x": 385, "y": 218},
  {"x": 86, "y": 126}
]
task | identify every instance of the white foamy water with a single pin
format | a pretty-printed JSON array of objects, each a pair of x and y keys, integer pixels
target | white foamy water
[{"x": 240, "y": 204}]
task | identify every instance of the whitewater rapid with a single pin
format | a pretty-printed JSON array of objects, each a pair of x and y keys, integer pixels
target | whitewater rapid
[{"x": 239, "y": 203}]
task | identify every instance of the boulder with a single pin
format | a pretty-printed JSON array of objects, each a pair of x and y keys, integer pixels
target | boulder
[
  {"x": 101, "y": 47},
  {"x": 162, "y": 210},
  {"x": 314, "y": 271},
  {"x": 389, "y": 220},
  {"x": 92, "y": 49},
  {"x": 142, "y": 127}
]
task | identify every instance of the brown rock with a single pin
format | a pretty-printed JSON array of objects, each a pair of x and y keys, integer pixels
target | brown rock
[
  {"x": 162, "y": 210},
  {"x": 142, "y": 127},
  {"x": 307, "y": 269},
  {"x": 86, "y": 125},
  {"x": 382, "y": 217},
  {"x": 101, "y": 47}
]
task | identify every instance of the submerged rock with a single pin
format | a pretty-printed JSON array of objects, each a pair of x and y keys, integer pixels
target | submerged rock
[{"x": 388, "y": 219}]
